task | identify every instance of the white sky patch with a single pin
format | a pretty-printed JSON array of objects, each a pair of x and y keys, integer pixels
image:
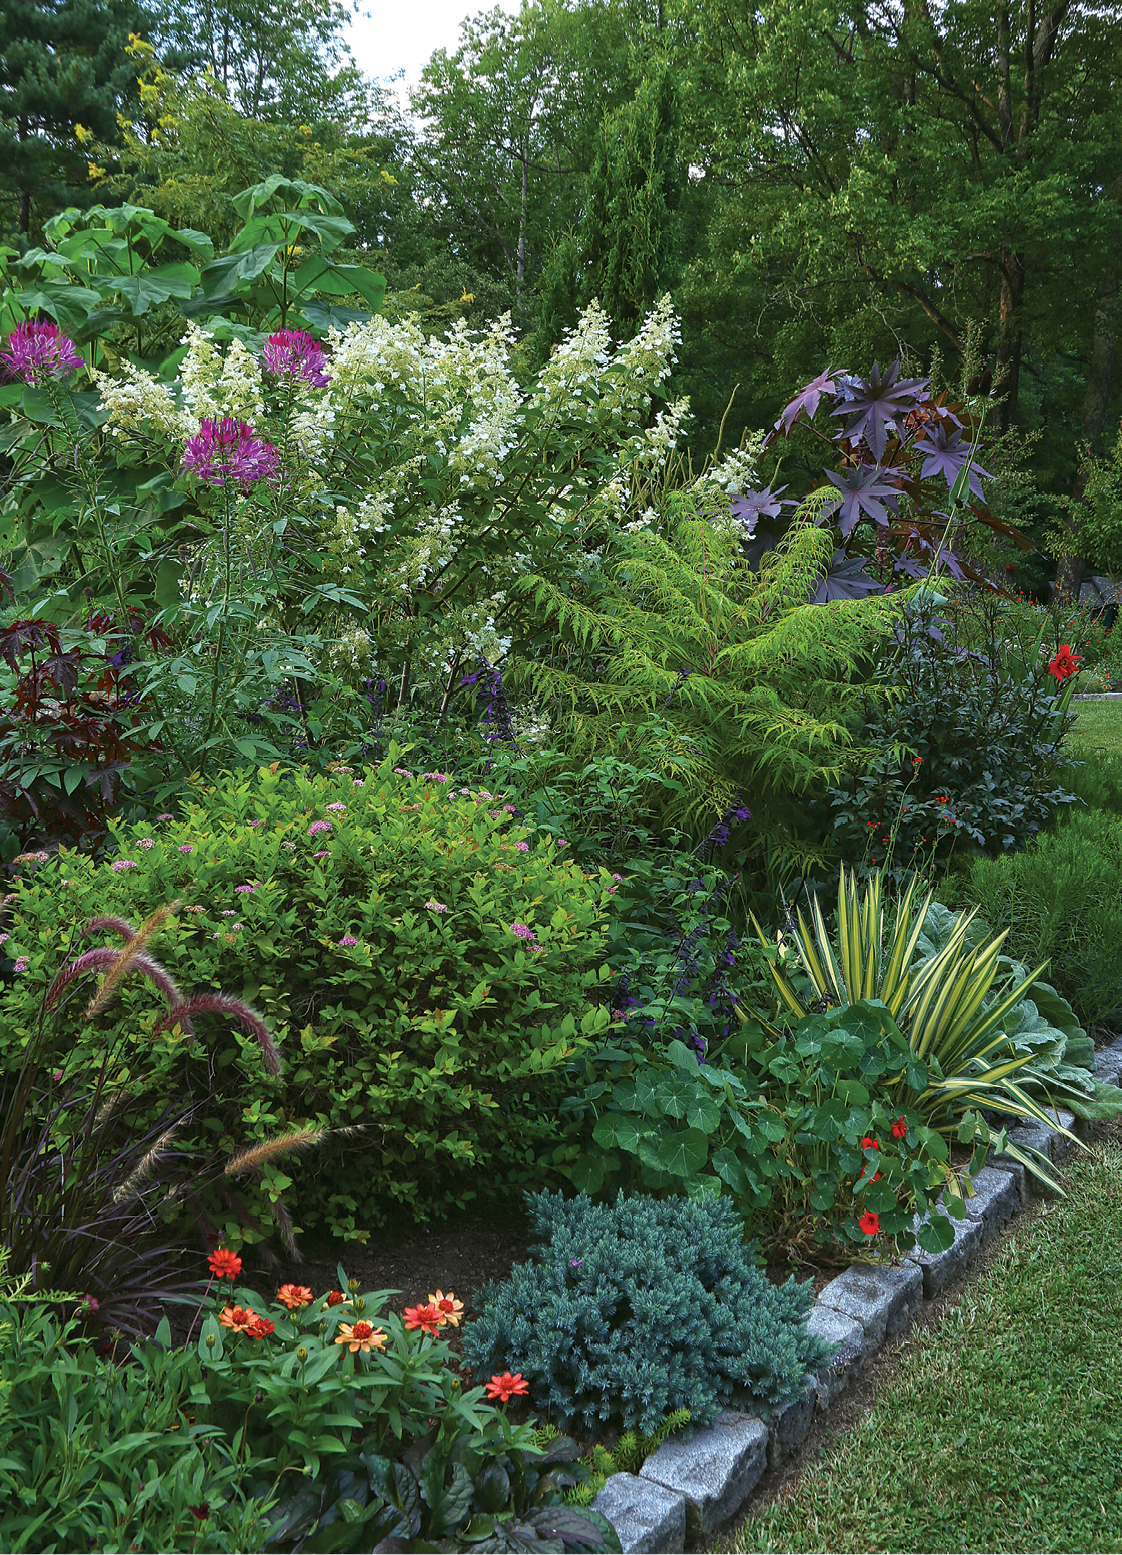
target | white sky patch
[{"x": 391, "y": 35}]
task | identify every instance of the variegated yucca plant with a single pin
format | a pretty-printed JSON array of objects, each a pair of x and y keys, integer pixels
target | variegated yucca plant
[
  {"x": 87, "y": 1196},
  {"x": 946, "y": 1005}
]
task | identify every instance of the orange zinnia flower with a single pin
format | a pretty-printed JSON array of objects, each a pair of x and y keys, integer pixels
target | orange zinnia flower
[
  {"x": 448, "y": 1307},
  {"x": 503, "y": 1386},
  {"x": 294, "y": 1296},
  {"x": 360, "y": 1336},
  {"x": 224, "y": 1263},
  {"x": 426, "y": 1318},
  {"x": 240, "y": 1319},
  {"x": 260, "y": 1329}
]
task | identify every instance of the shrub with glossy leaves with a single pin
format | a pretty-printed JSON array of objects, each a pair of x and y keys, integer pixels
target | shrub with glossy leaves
[
  {"x": 641, "y": 1307},
  {"x": 422, "y": 958}
]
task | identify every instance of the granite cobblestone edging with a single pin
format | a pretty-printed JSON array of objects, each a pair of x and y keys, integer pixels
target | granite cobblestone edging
[{"x": 690, "y": 1489}]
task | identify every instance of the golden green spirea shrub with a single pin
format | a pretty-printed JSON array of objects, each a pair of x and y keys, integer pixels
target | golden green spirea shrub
[
  {"x": 642, "y": 1307},
  {"x": 424, "y": 961}
]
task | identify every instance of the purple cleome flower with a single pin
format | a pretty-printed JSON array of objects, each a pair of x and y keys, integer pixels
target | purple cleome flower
[
  {"x": 38, "y": 351},
  {"x": 292, "y": 353},
  {"x": 226, "y": 451}
]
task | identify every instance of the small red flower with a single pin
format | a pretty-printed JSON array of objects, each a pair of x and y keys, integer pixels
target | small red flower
[
  {"x": 876, "y": 1177},
  {"x": 869, "y": 1222},
  {"x": 868, "y": 1143},
  {"x": 899, "y": 1128},
  {"x": 335, "y": 1298},
  {"x": 225, "y": 1264},
  {"x": 427, "y": 1318},
  {"x": 261, "y": 1329},
  {"x": 503, "y": 1386},
  {"x": 916, "y": 761}
]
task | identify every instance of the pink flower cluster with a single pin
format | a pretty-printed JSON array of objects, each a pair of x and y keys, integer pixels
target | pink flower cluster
[
  {"x": 318, "y": 826},
  {"x": 292, "y": 353},
  {"x": 524, "y": 931},
  {"x": 37, "y": 351},
  {"x": 122, "y": 863},
  {"x": 435, "y": 906},
  {"x": 227, "y": 453},
  {"x": 348, "y": 939}
]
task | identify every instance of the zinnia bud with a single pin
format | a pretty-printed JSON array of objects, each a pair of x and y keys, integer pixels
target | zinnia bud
[
  {"x": 210, "y": 1341},
  {"x": 359, "y": 1303},
  {"x": 301, "y": 1352},
  {"x": 353, "y": 1285}
]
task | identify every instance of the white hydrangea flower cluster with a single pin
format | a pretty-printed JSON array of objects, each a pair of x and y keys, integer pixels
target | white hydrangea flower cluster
[
  {"x": 140, "y": 407},
  {"x": 737, "y": 472},
  {"x": 214, "y": 385}
]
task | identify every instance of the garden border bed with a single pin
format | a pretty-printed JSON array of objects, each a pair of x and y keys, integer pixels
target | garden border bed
[{"x": 691, "y": 1490}]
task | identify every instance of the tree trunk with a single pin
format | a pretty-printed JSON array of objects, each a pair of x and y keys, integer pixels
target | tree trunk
[
  {"x": 1100, "y": 376},
  {"x": 1007, "y": 376}
]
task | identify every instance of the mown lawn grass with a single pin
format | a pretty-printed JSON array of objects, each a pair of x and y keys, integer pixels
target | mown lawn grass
[
  {"x": 1098, "y": 726},
  {"x": 1001, "y": 1429}
]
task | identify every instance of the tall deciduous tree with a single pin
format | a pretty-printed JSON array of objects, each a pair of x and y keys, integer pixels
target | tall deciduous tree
[{"x": 891, "y": 170}]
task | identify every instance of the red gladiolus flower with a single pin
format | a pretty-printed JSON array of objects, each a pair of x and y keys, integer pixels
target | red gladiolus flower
[
  {"x": 1065, "y": 663},
  {"x": 224, "y": 1264},
  {"x": 869, "y": 1222},
  {"x": 427, "y": 1318},
  {"x": 503, "y": 1386},
  {"x": 866, "y": 1143},
  {"x": 899, "y": 1128}
]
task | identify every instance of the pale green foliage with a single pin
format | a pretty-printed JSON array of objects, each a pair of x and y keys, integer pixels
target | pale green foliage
[{"x": 756, "y": 681}]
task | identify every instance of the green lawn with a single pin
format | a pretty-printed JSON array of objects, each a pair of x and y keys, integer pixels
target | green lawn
[
  {"x": 1098, "y": 726},
  {"x": 1001, "y": 1429}
]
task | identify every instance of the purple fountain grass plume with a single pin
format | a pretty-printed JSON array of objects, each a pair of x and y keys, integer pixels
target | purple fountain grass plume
[
  {"x": 103, "y": 956},
  {"x": 224, "y": 1004},
  {"x": 133, "y": 955},
  {"x": 143, "y": 1169},
  {"x": 287, "y": 1231},
  {"x": 249, "y": 1159},
  {"x": 109, "y": 925}
]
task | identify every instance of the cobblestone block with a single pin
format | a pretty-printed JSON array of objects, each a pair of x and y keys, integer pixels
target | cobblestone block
[
  {"x": 787, "y": 1427},
  {"x": 1006, "y": 1163},
  {"x": 848, "y": 1359},
  {"x": 1108, "y": 1062},
  {"x": 882, "y": 1300},
  {"x": 647, "y": 1517},
  {"x": 938, "y": 1268},
  {"x": 716, "y": 1471},
  {"x": 994, "y": 1203},
  {"x": 1062, "y": 1149}
]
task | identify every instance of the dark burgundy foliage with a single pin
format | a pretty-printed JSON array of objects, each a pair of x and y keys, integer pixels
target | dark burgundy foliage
[
  {"x": 877, "y": 405},
  {"x": 863, "y": 491},
  {"x": 754, "y": 505}
]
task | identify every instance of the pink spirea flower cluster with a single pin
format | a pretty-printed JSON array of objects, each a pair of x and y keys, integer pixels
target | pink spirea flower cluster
[
  {"x": 436, "y": 906},
  {"x": 348, "y": 939},
  {"x": 227, "y": 453},
  {"x": 38, "y": 351},
  {"x": 146, "y": 842},
  {"x": 122, "y": 863},
  {"x": 292, "y": 353},
  {"x": 186, "y": 848},
  {"x": 318, "y": 826},
  {"x": 338, "y": 805},
  {"x": 523, "y": 930}
]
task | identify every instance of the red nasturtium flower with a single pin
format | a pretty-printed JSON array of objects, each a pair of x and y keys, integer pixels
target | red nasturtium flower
[
  {"x": 1065, "y": 663},
  {"x": 335, "y": 1298},
  {"x": 503, "y": 1386},
  {"x": 224, "y": 1263},
  {"x": 868, "y": 1143},
  {"x": 899, "y": 1128},
  {"x": 870, "y": 1222},
  {"x": 294, "y": 1296},
  {"x": 449, "y": 1308},
  {"x": 427, "y": 1318}
]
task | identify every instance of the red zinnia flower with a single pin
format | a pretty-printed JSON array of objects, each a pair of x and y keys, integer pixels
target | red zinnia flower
[
  {"x": 503, "y": 1386},
  {"x": 335, "y": 1298},
  {"x": 427, "y": 1318},
  {"x": 869, "y": 1222},
  {"x": 260, "y": 1328},
  {"x": 224, "y": 1263}
]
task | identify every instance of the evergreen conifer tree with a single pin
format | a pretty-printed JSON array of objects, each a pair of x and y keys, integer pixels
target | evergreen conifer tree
[{"x": 62, "y": 65}]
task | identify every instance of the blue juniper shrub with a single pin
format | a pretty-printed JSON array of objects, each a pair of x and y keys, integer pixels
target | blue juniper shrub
[{"x": 640, "y": 1307}]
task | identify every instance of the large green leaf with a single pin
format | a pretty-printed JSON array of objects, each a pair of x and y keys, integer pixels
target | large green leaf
[{"x": 685, "y": 1152}]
